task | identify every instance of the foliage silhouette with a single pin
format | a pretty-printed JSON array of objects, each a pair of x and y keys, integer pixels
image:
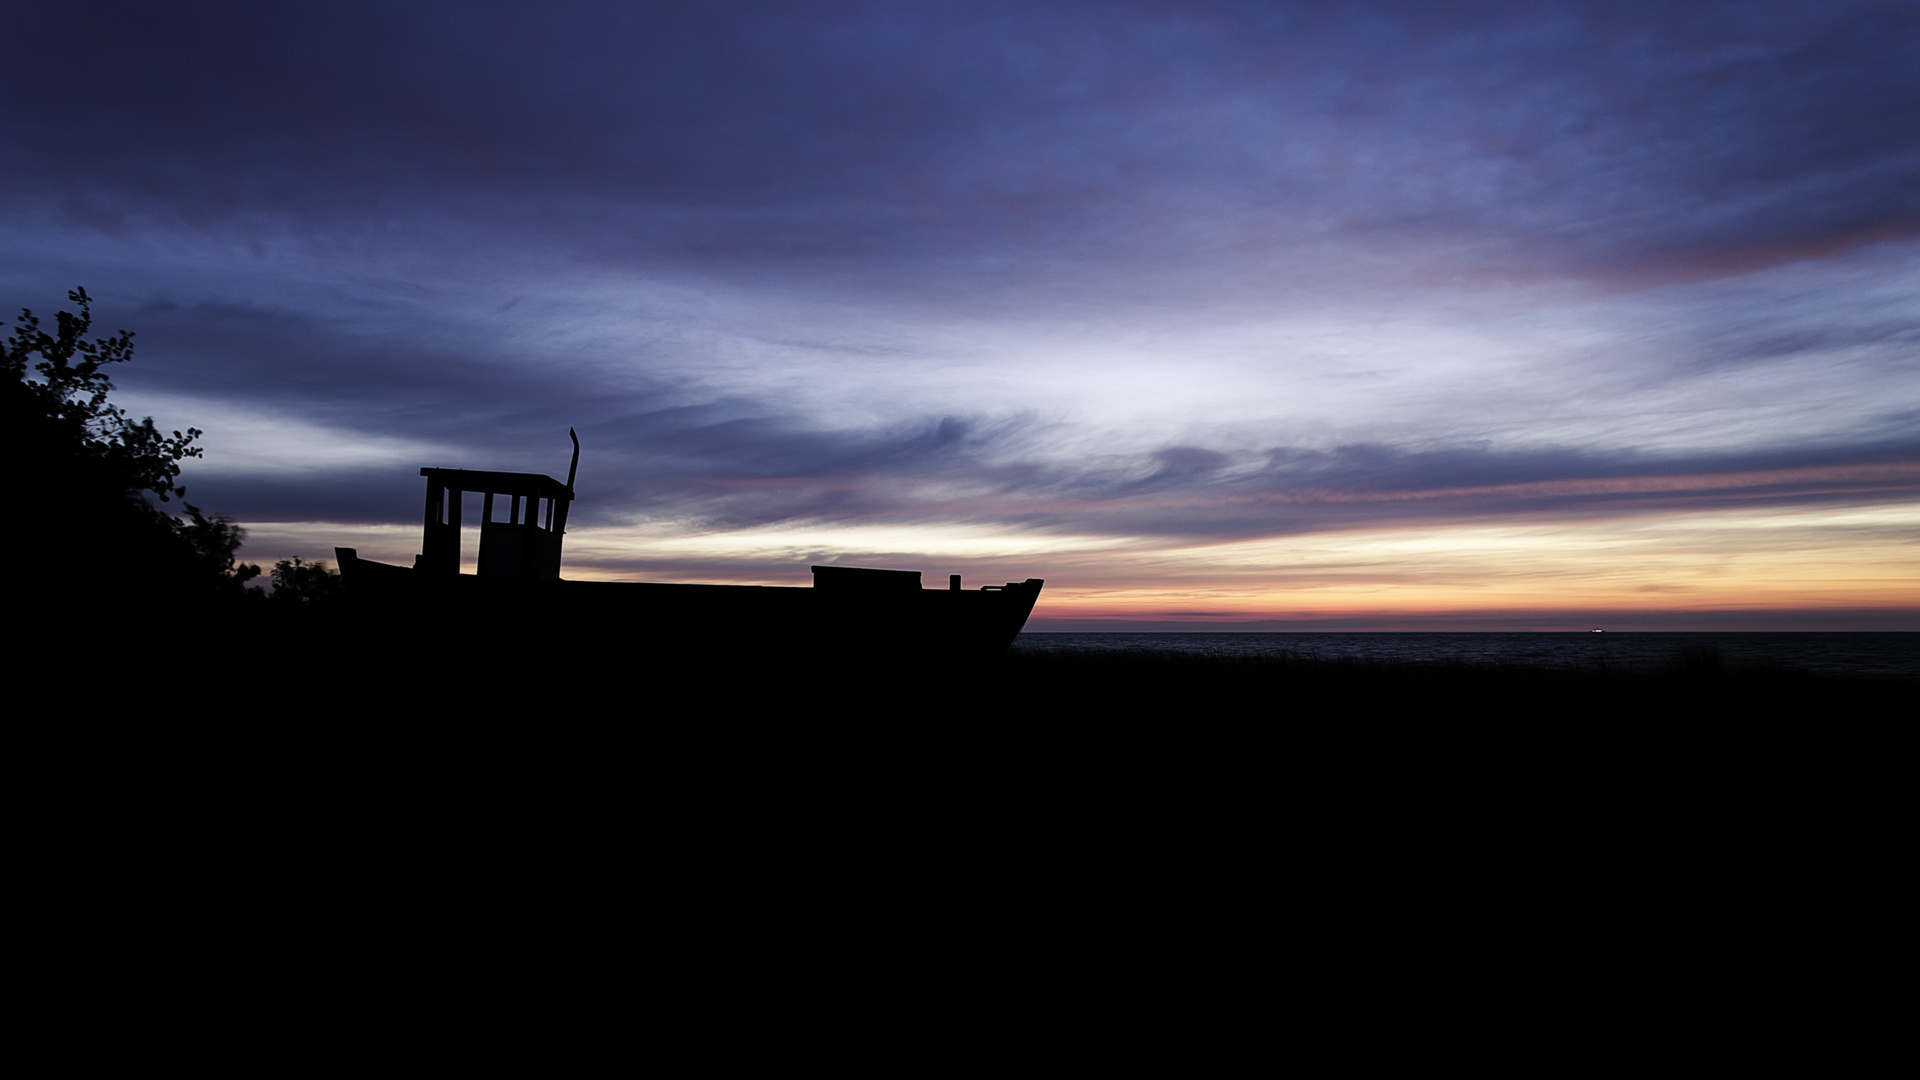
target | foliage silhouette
[
  {"x": 89, "y": 473},
  {"x": 306, "y": 584}
]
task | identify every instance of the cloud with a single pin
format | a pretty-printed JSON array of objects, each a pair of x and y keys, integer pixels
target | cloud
[
  {"x": 1126, "y": 273},
  {"x": 979, "y": 144}
]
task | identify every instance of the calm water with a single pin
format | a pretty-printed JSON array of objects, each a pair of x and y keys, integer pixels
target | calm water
[{"x": 1877, "y": 654}]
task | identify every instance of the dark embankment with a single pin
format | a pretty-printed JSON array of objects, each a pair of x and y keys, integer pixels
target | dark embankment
[
  {"x": 330, "y": 738},
  {"x": 330, "y": 764},
  {"x": 344, "y": 666},
  {"x": 1692, "y": 686}
]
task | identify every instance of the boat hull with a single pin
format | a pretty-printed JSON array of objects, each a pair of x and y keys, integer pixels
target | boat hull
[{"x": 795, "y": 621}]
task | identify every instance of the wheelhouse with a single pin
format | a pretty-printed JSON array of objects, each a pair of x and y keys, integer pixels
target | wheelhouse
[{"x": 523, "y": 517}]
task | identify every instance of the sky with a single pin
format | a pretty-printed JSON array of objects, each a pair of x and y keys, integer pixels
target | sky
[{"x": 1216, "y": 316}]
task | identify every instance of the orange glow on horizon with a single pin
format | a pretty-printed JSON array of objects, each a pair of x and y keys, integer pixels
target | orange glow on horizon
[{"x": 1748, "y": 559}]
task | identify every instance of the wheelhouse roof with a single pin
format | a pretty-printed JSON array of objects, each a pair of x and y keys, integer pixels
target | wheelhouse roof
[{"x": 533, "y": 485}]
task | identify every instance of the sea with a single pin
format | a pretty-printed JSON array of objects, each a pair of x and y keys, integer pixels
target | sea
[{"x": 1872, "y": 654}]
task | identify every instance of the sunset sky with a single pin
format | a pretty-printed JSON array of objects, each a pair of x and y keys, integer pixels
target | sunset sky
[{"x": 1217, "y": 316}]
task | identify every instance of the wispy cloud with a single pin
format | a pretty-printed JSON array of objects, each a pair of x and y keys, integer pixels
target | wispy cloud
[{"x": 1129, "y": 274}]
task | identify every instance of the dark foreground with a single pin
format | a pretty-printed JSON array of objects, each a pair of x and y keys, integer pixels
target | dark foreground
[
  {"x": 1694, "y": 685},
  {"x": 776, "y": 763},
  {"x": 347, "y": 786},
  {"x": 344, "y": 716},
  {"x": 354, "y": 668}
]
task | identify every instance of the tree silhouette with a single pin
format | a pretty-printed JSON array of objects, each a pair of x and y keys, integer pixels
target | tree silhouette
[
  {"x": 87, "y": 473},
  {"x": 307, "y": 584}
]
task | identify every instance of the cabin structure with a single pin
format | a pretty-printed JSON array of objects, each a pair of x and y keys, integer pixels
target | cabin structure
[{"x": 524, "y": 543}]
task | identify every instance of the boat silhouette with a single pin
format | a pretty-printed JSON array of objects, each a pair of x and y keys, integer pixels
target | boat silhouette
[{"x": 517, "y": 584}]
